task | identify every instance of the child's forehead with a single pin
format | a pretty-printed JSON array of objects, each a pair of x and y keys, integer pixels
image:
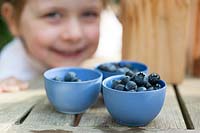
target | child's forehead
[{"x": 64, "y": 3}]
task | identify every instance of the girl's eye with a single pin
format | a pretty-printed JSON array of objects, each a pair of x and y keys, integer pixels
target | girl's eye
[
  {"x": 53, "y": 15},
  {"x": 90, "y": 15}
]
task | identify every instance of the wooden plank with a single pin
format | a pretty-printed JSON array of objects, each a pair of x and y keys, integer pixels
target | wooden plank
[
  {"x": 156, "y": 32},
  {"x": 194, "y": 47},
  {"x": 15, "y": 106},
  {"x": 44, "y": 114},
  {"x": 194, "y": 39},
  {"x": 189, "y": 91},
  {"x": 170, "y": 116},
  {"x": 61, "y": 129},
  {"x": 37, "y": 83}
]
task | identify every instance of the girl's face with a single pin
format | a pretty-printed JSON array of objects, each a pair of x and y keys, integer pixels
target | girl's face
[{"x": 60, "y": 32}]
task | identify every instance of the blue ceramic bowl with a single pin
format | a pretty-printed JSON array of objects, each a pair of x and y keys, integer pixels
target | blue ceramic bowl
[
  {"x": 72, "y": 97},
  {"x": 133, "y": 108},
  {"x": 134, "y": 65}
]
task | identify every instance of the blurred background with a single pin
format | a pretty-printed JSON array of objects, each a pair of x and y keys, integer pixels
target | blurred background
[{"x": 5, "y": 35}]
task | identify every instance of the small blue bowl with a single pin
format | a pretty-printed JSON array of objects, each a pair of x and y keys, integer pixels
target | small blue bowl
[
  {"x": 133, "y": 108},
  {"x": 141, "y": 67},
  {"x": 72, "y": 97}
]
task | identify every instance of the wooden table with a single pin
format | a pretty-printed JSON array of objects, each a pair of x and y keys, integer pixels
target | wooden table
[{"x": 30, "y": 111}]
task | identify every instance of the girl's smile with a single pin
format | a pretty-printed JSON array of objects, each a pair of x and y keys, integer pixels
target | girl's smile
[{"x": 76, "y": 53}]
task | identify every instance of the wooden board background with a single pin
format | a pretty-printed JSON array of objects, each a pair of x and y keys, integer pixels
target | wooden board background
[{"x": 156, "y": 32}]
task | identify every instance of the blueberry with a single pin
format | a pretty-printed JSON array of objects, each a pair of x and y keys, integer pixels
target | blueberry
[
  {"x": 115, "y": 83},
  {"x": 120, "y": 70},
  {"x": 123, "y": 70},
  {"x": 109, "y": 67},
  {"x": 150, "y": 88},
  {"x": 103, "y": 67},
  {"x": 124, "y": 64},
  {"x": 132, "y": 90},
  {"x": 125, "y": 80},
  {"x": 130, "y": 73},
  {"x": 157, "y": 86},
  {"x": 139, "y": 79},
  {"x": 112, "y": 68},
  {"x": 57, "y": 78},
  {"x": 141, "y": 89},
  {"x": 153, "y": 78},
  {"x": 119, "y": 87},
  {"x": 148, "y": 85},
  {"x": 114, "y": 65},
  {"x": 69, "y": 76},
  {"x": 131, "y": 85},
  {"x": 75, "y": 79}
]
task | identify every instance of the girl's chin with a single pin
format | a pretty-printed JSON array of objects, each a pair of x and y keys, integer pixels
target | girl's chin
[
  {"x": 66, "y": 62},
  {"x": 73, "y": 56}
]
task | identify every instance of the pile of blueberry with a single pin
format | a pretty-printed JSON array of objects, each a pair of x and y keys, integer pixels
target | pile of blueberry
[
  {"x": 137, "y": 82},
  {"x": 117, "y": 67},
  {"x": 69, "y": 77}
]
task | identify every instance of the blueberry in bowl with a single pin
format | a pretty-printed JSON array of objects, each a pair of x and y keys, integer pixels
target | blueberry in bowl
[
  {"x": 72, "y": 90},
  {"x": 135, "y": 100},
  {"x": 117, "y": 68}
]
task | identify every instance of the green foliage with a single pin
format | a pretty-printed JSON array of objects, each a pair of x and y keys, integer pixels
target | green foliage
[
  {"x": 116, "y": 1},
  {"x": 5, "y": 35}
]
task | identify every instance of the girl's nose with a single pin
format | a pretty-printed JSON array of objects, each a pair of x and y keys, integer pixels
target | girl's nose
[{"x": 72, "y": 31}]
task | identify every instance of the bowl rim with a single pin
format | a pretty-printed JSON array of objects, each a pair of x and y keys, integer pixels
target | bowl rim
[
  {"x": 68, "y": 68},
  {"x": 129, "y": 92},
  {"x": 125, "y": 61}
]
